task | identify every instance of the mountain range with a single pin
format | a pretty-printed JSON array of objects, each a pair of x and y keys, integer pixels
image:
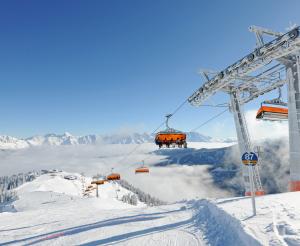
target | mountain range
[{"x": 9, "y": 142}]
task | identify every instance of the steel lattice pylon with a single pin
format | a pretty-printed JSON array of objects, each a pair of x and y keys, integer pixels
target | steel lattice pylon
[{"x": 268, "y": 67}]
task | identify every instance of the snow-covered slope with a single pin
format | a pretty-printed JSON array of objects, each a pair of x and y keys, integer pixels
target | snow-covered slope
[
  {"x": 51, "y": 211},
  {"x": 56, "y": 188},
  {"x": 277, "y": 221}
]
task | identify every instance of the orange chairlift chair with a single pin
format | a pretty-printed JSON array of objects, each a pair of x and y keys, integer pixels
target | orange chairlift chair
[
  {"x": 113, "y": 176},
  {"x": 170, "y": 137},
  {"x": 277, "y": 112},
  {"x": 142, "y": 169}
]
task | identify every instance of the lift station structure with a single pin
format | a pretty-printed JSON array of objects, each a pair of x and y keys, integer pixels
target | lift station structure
[{"x": 271, "y": 65}]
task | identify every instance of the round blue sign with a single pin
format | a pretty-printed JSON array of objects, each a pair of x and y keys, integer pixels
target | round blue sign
[{"x": 249, "y": 159}]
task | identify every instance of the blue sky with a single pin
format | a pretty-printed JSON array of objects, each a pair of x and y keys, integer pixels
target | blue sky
[{"x": 101, "y": 66}]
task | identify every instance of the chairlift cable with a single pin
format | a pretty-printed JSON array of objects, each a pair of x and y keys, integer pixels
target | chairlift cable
[
  {"x": 153, "y": 132},
  {"x": 209, "y": 120},
  {"x": 174, "y": 112}
]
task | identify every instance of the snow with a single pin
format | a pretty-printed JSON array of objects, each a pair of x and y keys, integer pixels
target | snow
[
  {"x": 52, "y": 211},
  {"x": 7, "y": 142},
  {"x": 53, "y": 188},
  {"x": 277, "y": 221},
  {"x": 219, "y": 228},
  {"x": 53, "y": 182},
  {"x": 86, "y": 224},
  {"x": 59, "y": 215}
]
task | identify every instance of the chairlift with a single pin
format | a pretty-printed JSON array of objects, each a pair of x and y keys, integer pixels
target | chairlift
[
  {"x": 98, "y": 182},
  {"x": 142, "y": 169},
  {"x": 113, "y": 176},
  {"x": 277, "y": 112},
  {"x": 170, "y": 137}
]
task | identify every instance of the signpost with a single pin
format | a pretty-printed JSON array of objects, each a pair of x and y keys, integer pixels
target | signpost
[{"x": 250, "y": 159}]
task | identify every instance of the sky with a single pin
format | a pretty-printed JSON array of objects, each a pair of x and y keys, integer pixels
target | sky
[{"x": 113, "y": 65}]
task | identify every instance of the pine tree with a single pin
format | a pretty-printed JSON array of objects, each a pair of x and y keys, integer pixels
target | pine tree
[
  {"x": 8, "y": 183},
  {"x": 140, "y": 195}
]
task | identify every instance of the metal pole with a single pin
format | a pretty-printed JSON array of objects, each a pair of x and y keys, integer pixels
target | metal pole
[
  {"x": 97, "y": 192},
  {"x": 244, "y": 145},
  {"x": 293, "y": 78},
  {"x": 250, "y": 168},
  {"x": 242, "y": 135}
]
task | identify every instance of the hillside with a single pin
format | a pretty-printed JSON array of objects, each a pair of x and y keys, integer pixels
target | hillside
[
  {"x": 51, "y": 207},
  {"x": 51, "y": 210}
]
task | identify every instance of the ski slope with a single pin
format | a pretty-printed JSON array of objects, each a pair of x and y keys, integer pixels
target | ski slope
[{"x": 52, "y": 211}]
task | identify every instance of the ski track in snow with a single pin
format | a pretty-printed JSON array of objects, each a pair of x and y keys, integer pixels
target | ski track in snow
[{"x": 152, "y": 227}]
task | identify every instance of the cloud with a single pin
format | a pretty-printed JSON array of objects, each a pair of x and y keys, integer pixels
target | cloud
[
  {"x": 260, "y": 129},
  {"x": 272, "y": 137},
  {"x": 177, "y": 182},
  {"x": 170, "y": 183}
]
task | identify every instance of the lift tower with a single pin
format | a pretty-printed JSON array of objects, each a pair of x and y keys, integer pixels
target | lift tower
[
  {"x": 293, "y": 80},
  {"x": 267, "y": 68},
  {"x": 244, "y": 143}
]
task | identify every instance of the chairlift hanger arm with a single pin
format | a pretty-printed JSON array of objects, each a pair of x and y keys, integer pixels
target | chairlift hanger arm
[
  {"x": 267, "y": 89},
  {"x": 254, "y": 86},
  {"x": 168, "y": 116}
]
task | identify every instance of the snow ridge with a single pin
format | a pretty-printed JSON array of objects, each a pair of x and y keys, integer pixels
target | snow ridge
[{"x": 219, "y": 227}]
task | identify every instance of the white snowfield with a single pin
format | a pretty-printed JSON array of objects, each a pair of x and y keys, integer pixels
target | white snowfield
[
  {"x": 52, "y": 211},
  {"x": 277, "y": 221}
]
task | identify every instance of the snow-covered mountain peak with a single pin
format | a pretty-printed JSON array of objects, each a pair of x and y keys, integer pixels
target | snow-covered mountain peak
[
  {"x": 67, "y": 134},
  {"x": 7, "y": 142}
]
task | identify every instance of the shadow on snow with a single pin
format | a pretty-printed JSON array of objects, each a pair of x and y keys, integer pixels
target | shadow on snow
[
  {"x": 87, "y": 227},
  {"x": 135, "y": 234}
]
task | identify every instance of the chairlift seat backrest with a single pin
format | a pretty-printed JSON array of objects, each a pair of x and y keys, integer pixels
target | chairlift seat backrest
[{"x": 272, "y": 113}]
